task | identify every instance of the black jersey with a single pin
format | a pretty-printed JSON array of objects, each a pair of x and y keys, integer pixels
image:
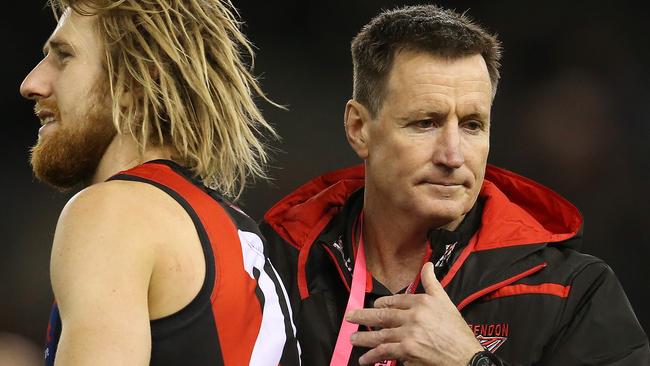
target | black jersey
[{"x": 240, "y": 315}]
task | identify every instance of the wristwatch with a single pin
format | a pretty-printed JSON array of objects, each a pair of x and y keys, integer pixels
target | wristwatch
[{"x": 485, "y": 358}]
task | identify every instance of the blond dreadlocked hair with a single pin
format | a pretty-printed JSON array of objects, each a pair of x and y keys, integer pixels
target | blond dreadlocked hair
[{"x": 180, "y": 65}]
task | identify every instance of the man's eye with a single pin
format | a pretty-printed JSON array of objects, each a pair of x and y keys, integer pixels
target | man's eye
[
  {"x": 473, "y": 125},
  {"x": 426, "y": 123},
  {"x": 62, "y": 55}
]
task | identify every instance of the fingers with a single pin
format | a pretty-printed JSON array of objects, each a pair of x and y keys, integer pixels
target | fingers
[
  {"x": 406, "y": 320},
  {"x": 372, "y": 339},
  {"x": 429, "y": 280},
  {"x": 386, "y": 351},
  {"x": 383, "y": 318},
  {"x": 401, "y": 301}
]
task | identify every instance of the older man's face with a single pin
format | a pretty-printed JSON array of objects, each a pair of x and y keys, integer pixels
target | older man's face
[{"x": 427, "y": 147}]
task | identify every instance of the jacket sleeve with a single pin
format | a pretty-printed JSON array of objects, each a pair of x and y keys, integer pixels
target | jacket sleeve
[{"x": 598, "y": 325}]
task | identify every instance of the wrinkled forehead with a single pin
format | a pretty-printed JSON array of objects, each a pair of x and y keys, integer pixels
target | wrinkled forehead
[
  {"x": 409, "y": 65},
  {"x": 425, "y": 76}
]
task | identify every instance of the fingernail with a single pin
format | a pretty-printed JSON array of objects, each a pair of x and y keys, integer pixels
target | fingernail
[
  {"x": 348, "y": 315},
  {"x": 353, "y": 337}
]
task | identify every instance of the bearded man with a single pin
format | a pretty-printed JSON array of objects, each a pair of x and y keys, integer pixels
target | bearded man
[{"x": 147, "y": 104}]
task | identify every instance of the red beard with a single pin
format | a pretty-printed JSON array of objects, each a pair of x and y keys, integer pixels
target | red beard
[{"x": 70, "y": 154}]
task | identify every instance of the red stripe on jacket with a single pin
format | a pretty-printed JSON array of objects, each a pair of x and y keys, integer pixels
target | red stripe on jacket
[{"x": 522, "y": 289}]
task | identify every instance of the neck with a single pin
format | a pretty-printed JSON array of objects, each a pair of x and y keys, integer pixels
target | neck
[
  {"x": 123, "y": 153},
  {"x": 394, "y": 244}
]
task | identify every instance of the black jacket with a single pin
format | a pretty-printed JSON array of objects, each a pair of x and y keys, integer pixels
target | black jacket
[{"x": 519, "y": 283}]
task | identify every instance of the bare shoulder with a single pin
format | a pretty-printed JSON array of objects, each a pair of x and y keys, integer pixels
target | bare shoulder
[
  {"x": 102, "y": 261},
  {"x": 107, "y": 231},
  {"x": 109, "y": 197},
  {"x": 118, "y": 208}
]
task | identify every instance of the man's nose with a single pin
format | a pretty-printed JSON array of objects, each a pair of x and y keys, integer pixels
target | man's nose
[
  {"x": 448, "y": 151},
  {"x": 37, "y": 84}
]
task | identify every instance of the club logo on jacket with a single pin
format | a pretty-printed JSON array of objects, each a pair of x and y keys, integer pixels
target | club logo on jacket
[
  {"x": 338, "y": 244},
  {"x": 491, "y": 336},
  {"x": 449, "y": 248}
]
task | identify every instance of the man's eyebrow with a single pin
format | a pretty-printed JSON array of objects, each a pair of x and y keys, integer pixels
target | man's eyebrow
[
  {"x": 54, "y": 44},
  {"x": 419, "y": 114},
  {"x": 435, "y": 113},
  {"x": 477, "y": 116},
  {"x": 475, "y": 110}
]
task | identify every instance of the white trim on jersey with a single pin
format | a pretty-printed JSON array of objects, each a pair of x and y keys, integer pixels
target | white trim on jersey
[
  {"x": 271, "y": 337},
  {"x": 293, "y": 325}
]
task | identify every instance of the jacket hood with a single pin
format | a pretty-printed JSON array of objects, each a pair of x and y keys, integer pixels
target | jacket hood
[{"x": 518, "y": 211}]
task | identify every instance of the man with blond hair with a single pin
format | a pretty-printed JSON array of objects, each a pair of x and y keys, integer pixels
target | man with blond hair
[{"x": 147, "y": 105}]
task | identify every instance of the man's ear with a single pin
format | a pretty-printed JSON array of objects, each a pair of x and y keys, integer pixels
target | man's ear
[
  {"x": 135, "y": 94},
  {"x": 357, "y": 122},
  {"x": 127, "y": 98}
]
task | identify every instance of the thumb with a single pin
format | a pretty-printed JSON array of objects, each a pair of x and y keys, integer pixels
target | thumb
[{"x": 429, "y": 280}]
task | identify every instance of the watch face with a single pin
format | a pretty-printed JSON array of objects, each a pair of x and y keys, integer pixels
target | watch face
[{"x": 484, "y": 361}]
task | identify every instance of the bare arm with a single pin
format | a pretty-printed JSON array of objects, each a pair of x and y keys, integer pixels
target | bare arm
[{"x": 102, "y": 260}]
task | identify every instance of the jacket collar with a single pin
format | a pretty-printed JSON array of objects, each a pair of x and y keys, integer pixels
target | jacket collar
[{"x": 534, "y": 213}]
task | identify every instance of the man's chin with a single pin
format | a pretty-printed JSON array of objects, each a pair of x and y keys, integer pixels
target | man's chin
[
  {"x": 60, "y": 164},
  {"x": 53, "y": 175},
  {"x": 445, "y": 213},
  {"x": 69, "y": 158}
]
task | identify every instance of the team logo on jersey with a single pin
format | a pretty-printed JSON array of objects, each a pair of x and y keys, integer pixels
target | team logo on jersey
[{"x": 491, "y": 336}]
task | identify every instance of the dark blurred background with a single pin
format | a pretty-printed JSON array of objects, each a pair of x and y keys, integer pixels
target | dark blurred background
[{"x": 572, "y": 112}]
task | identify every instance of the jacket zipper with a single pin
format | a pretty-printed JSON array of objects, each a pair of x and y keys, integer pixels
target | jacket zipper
[{"x": 336, "y": 264}]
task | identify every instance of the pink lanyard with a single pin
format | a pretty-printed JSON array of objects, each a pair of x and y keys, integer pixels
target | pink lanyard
[{"x": 343, "y": 347}]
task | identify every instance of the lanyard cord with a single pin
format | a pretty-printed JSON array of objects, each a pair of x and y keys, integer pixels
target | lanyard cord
[{"x": 343, "y": 348}]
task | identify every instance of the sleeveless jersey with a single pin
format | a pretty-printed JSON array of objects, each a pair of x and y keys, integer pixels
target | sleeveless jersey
[{"x": 241, "y": 315}]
